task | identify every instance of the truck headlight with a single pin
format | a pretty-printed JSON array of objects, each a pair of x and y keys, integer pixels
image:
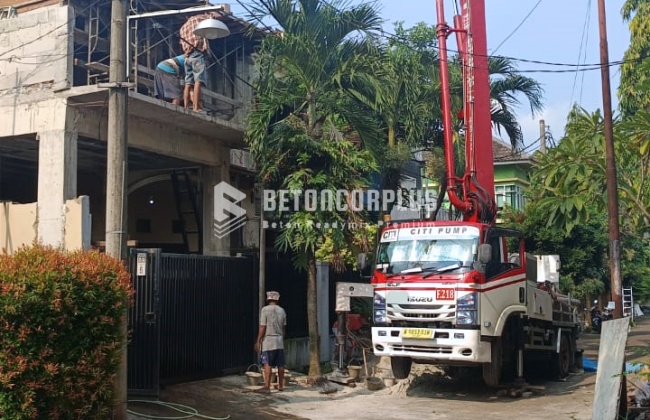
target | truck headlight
[
  {"x": 379, "y": 310},
  {"x": 466, "y": 318},
  {"x": 467, "y": 309}
]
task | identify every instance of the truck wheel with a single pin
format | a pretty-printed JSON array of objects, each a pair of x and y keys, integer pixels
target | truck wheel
[
  {"x": 401, "y": 366},
  {"x": 492, "y": 371},
  {"x": 563, "y": 358}
]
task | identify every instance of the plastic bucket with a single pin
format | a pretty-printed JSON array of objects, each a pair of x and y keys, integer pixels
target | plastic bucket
[
  {"x": 253, "y": 378},
  {"x": 374, "y": 384},
  {"x": 354, "y": 372}
]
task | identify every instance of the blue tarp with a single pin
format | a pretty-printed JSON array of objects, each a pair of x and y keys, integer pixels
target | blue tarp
[
  {"x": 591, "y": 366},
  {"x": 633, "y": 367}
]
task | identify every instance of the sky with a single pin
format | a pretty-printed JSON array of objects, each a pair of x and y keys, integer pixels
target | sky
[{"x": 558, "y": 31}]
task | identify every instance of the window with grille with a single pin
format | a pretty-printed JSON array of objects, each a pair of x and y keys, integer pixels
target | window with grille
[{"x": 511, "y": 195}]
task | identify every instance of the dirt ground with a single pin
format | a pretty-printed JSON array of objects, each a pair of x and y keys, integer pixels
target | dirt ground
[{"x": 427, "y": 393}]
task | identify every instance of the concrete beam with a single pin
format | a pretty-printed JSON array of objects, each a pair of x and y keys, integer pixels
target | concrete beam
[
  {"x": 27, "y": 118},
  {"x": 150, "y": 136}
]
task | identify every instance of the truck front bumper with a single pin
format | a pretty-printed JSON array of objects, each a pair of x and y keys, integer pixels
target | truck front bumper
[{"x": 448, "y": 345}]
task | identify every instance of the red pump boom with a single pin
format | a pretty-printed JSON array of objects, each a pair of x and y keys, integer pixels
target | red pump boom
[{"x": 476, "y": 196}]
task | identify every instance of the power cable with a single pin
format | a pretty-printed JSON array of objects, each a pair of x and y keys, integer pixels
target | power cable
[
  {"x": 392, "y": 36},
  {"x": 94, "y": 3},
  {"x": 583, "y": 52},
  {"x": 403, "y": 41},
  {"x": 582, "y": 81},
  {"x": 579, "y": 67},
  {"x": 254, "y": 16},
  {"x": 518, "y": 26}
]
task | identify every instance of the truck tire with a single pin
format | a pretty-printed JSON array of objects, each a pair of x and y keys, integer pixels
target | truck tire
[
  {"x": 401, "y": 366},
  {"x": 562, "y": 361},
  {"x": 492, "y": 371}
]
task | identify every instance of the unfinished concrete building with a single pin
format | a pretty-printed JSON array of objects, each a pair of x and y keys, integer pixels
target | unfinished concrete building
[{"x": 54, "y": 57}]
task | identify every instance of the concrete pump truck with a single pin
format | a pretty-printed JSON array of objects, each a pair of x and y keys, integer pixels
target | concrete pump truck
[{"x": 465, "y": 292}]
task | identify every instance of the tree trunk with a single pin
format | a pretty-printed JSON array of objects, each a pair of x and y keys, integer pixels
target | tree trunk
[
  {"x": 312, "y": 315},
  {"x": 391, "y": 135}
]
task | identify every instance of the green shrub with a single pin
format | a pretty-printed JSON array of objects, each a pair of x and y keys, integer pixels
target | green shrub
[{"x": 60, "y": 335}]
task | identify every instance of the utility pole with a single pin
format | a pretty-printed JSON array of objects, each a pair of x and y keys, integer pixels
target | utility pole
[
  {"x": 542, "y": 136},
  {"x": 612, "y": 183},
  {"x": 262, "y": 255},
  {"x": 116, "y": 172}
]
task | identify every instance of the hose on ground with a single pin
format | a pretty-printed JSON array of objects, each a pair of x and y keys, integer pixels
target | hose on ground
[{"x": 189, "y": 412}]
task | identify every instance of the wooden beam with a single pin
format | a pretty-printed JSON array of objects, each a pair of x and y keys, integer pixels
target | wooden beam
[{"x": 81, "y": 38}]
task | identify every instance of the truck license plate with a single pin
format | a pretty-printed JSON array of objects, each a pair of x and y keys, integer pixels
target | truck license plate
[
  {"x": 445, "y": 294},
  {"x": 417, "y": 333}
]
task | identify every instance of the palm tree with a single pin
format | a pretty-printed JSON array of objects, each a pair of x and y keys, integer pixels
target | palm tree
[
  {"x": 506, "y": 86},
  {"x": 300, "y": 126}
]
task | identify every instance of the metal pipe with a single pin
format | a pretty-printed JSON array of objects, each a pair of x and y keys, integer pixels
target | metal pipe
[
  {"x": 442, "y": 31},
  {"x": 217, "y": 8}
]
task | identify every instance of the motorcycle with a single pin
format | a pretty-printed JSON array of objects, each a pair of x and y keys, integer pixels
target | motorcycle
[{"x": 597, "y": 317}]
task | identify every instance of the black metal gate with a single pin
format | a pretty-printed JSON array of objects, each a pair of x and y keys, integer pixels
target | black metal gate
[
  {"x": 194, "y": 317},
  {"x": 143, "y": 352}
]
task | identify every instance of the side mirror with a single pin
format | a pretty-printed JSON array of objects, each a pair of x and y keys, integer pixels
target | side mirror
[
  {"x": 362, "y": 261},
  {"x": 484, "y": 253}
]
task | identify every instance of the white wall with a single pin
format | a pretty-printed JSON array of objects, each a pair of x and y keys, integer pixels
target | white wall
[
  {"x": 36, "y": 51},
  {"x": 19, "y": 225}
]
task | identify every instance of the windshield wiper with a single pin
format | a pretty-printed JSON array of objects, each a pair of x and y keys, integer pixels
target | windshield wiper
[
  {"x": 415, "y": 270},
  {"x": 443, "y": 269}
]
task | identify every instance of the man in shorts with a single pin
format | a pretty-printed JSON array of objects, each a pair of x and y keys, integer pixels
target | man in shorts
[
  {"x": 270, "y": 339},
  {"x": 194, "y": 49},
  {"x": 167, "y": 82}
]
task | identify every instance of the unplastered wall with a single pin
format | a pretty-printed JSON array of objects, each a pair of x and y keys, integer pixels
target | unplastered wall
[
  {"x": 36, "y": 51},
  {"x": 19, "y": 225}
]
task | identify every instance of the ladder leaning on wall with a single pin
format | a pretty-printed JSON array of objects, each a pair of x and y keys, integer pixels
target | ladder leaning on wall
[{"x": 628, "y": 303}]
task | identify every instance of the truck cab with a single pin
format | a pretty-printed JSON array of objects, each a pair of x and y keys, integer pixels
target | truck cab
[{"x": 451, "y": 293}]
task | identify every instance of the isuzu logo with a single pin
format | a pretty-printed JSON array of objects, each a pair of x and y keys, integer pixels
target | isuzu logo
[{"x": 419, "y": 299}]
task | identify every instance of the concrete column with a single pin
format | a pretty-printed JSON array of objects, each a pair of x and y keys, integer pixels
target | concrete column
[
  {"x": 57, "y": 182},
  {"x": 323, "y": 310},
  {"x": 210, "y": 177}
]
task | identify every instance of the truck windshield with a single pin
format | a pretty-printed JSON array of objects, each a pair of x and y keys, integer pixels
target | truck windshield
[{"x": 429, "y": 254}]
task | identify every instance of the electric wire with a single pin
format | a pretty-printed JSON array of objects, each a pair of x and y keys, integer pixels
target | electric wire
[
  {"x": 392, "y": 36},
  {"x": 4, "y": 53},
  {"x": 517, "y": 28},
  {"x": 583, "y": 44},
  {"x": 582, "y": 81},
  {"x": 577, "y": 67}
]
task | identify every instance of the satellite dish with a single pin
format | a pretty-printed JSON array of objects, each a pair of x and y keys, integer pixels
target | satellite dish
[{"x": 211, "y": 29}]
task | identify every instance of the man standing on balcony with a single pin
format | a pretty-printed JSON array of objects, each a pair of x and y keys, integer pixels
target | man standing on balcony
[
  {"x": 167, "y": 82},
  {"x": 194, "y": 49}
]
